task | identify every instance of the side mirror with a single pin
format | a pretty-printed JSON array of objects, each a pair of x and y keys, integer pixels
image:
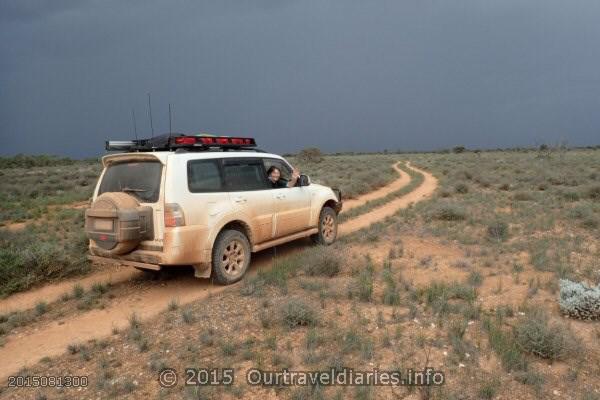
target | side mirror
[{"x": 304, "y": 180}]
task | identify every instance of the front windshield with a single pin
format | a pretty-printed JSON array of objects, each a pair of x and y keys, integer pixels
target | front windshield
[{"x": 140, "y": 179}]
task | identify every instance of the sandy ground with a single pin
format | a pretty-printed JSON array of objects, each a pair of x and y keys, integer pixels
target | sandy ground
[{"x": 31, "y": 344}]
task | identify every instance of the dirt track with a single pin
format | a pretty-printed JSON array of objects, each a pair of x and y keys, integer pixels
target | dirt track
[
  {"x": 38, "y": 341},
  {"x": 383, "y": 191},
  {"x": 380, "y": 213}
]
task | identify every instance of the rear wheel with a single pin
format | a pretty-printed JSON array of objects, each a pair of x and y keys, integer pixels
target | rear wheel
[
  {"x": 230, "y": 256},
  {"x": 327, "y": 227}
]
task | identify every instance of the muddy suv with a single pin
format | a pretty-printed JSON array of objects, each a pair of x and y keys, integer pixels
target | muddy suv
[{"x": 203, "y": 201}]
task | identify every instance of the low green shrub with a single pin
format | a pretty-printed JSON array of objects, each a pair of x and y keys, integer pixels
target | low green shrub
[
  {"x": 535, "y": 334},
  {"x": 498, "y": 231},
  {"x": 26, "y": 260},
  {"x": 448, "y": 212},
  {"x": 323, "y": 261},
  {"x": 296, "y": 312}
]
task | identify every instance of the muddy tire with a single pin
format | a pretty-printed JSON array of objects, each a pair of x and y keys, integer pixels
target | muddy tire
[
  {"x": 327, "y": 227},
  {"x": 230, "y": 256}
]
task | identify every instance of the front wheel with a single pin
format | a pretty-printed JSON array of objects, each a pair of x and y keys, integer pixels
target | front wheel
[
  {"x": 327, "y": 227},
  {"x": 230, "y": 257}
]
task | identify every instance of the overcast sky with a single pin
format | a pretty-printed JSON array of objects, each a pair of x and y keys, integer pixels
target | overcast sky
[{"x": 339, "y": 75}]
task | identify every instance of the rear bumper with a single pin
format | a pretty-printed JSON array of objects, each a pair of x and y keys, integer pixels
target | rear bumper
[
  {"x": 138, "y": 256},
  {"x": 186, "y": 245},
  {"x": 140, "y": 265}
]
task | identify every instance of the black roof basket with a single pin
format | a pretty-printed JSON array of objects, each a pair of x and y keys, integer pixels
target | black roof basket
[{"x": 183, "y": 142}]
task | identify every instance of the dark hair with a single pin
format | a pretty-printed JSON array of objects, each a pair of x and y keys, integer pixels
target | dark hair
[{"x": 271, "y": 169}]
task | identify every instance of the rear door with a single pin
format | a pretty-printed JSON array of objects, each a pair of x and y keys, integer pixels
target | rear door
[
  {"x": 142, "y": 177},
  {"x": 246, "y": 181},
  {"x": 292, "y": 205},
  {"x": 207, "y": 200}
]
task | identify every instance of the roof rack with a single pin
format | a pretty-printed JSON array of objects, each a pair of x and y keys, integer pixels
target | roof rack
[{"x": 177, "y": 141}]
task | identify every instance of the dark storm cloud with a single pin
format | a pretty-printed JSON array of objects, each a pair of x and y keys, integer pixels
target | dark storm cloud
[
  {"x": 341, "y": 75},
  {"x": 27, "y": 10}
]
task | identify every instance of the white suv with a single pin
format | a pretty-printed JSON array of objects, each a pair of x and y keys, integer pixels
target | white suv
[{"x": 203, "y": 201}]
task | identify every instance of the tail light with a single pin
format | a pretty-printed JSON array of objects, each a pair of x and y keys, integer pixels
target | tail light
[{"x": 174, "y": 215}]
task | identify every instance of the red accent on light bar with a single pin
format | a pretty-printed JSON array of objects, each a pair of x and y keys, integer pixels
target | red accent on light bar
[
  {"x": 185, "y": 140},
  {"x": 212, "y": 141},
  {"x": 103, "y": 237},
  {"x": 207, "y": 140}
]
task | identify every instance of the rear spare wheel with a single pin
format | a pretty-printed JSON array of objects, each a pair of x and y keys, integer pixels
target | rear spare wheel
[{"x": 117, "y": 223}]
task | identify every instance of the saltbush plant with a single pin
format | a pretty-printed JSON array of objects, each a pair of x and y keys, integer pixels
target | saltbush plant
[{"x": 579, "y": 300}]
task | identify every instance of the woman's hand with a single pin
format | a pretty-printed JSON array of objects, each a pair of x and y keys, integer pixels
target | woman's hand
[{"x": 295, "y": 176}]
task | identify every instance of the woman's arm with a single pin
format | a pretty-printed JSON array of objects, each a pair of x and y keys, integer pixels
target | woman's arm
[{"x": 295, "y": 176}]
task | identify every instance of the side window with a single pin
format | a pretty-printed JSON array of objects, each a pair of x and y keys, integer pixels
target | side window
[
  {"x": 244, "y": 175},
  {"x": 204, "y": 176},
  {"x": 286, "y": 172}
]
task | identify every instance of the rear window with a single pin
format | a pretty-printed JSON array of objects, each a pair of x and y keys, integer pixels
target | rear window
[
  {"x": 204, "y": 176},
  {"x": 139, "y": 179}
]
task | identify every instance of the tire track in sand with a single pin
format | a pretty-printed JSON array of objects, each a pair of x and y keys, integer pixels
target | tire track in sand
[
  {"x": 422, "y": 192},
  {"x": 51, "y": 340},
  {"x": 403, "y": 180}
]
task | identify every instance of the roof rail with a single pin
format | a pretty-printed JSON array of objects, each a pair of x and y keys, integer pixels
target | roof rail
[{"x": 198, "y": 149}]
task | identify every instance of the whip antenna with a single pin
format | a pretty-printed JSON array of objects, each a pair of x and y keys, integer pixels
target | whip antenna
[
  {"x": 134, "y": 124},
  {"x": 170, "y": 130},
  {"x": 150, "y": 113}
]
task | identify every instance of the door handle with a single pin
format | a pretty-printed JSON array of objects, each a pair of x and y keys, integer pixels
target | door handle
[{"x": 239, "y": 199}]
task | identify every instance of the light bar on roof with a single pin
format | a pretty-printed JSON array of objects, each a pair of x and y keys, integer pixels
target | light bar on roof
[
  {"x": 119, "y": 144},
  {"x": 212, "y": 141}
]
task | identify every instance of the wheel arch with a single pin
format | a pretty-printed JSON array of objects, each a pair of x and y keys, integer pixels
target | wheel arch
[
  {"x": 329, "y": 203},
  {"x": 326, "y": 202},
  {"x": 204, "y": 269},
  {"x": 235, "y": 224}
]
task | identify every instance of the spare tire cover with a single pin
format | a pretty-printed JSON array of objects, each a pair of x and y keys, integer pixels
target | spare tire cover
[{"x": 117, "y": 202}]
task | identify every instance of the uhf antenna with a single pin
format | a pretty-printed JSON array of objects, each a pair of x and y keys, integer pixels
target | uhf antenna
[
  {"x": 170, "y": 131},
  {"x": 150, "y": 113},
  {"x": 134, "y": 124}
]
